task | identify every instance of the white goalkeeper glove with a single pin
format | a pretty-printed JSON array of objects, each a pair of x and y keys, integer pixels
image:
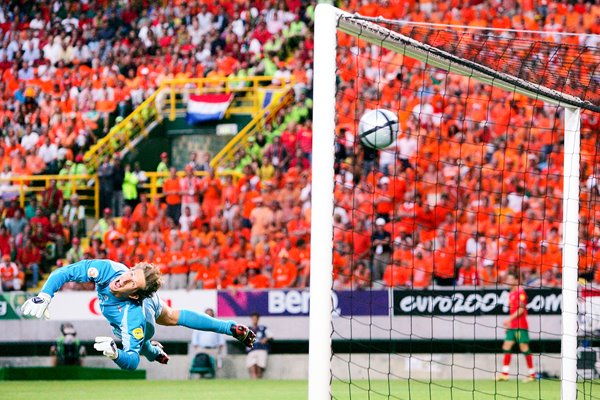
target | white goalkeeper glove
[
  {"x": 37, "y": 306},
  {"x": 107, "y": 346}
]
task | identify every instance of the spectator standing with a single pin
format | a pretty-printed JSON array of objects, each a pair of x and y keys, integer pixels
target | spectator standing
[
  {"x": 257, "y": 357},
  {"x": 118, "y": 178},
  {"x": 204, "y": 162},
  {"x": 190, "y": 189},
  {"x": 211, "y": 193},
  {"x": 52, "y": 199},
  {"x": 261, "y": 218},
  {"x": 105, "y": 176},
  {"x": 162, "y": 167},
  {"x": 130, "y": 187},
  {"x": 210, "y": 343},
  {"x": 79, "y": 168},
  {"x": 141, "y": 176},
  {"x": 65, "y": 185},
  {"x": 172, "y": 192},
  {"x": 56, "y": 235},
  {"x": 193, "y": 162},
  {"x": 74, "y": 217},
  {"x": 380, "y": 248},
  {"x": 278, "y": 154}
]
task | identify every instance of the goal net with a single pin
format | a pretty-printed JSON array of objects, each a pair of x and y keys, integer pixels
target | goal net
[{"x": 466, "y": 246}]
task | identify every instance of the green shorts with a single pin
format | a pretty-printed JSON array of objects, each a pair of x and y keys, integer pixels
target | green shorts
[{"x": 517, "y": 335}]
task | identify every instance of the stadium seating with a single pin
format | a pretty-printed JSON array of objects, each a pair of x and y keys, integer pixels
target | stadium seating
[
  {"x": 204, "y": 365},
  {"x": 70, "y": 70}
]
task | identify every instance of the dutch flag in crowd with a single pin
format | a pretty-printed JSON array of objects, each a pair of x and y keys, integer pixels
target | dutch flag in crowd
[{"x": 207, "y": 107}]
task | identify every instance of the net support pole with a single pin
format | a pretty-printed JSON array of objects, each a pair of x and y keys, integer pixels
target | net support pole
[
  {"x": 570, "y": 254},
  {"x": 323, "y": 151}
]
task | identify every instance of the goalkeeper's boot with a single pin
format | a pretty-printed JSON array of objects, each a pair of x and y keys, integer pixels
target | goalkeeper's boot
[
  {"x": 502, "y": 377},
  {"x": 530, "y": 378},
  {"x": 243, "y": 334},
  {"x": 163, "y": 357}
]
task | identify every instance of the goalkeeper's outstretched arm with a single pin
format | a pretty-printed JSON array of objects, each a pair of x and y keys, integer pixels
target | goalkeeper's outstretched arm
[
  {"x": 79, "y": 272},
  {"x": 98, "y": 271}
]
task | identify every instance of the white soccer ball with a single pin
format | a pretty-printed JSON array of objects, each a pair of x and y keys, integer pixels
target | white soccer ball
[{"x": 378, "y": 128}]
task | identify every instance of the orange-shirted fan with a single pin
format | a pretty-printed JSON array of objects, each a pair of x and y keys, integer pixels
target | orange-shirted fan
[{"x": 397, "y": 274}]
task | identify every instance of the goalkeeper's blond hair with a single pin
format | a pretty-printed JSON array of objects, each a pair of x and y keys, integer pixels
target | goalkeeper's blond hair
[{"x": 153, "y": 278}]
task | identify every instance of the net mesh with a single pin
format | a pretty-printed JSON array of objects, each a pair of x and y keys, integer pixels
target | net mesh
[
  {"x": 567, "y": 66},
  {"x": 428, "y": 230},
  {"x": 558, "y": 61}
]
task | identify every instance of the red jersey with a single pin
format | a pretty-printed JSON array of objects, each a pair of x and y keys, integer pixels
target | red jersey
[{"x": 516, "y": 299}]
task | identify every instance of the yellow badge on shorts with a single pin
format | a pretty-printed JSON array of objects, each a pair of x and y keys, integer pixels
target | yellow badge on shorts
[{"x": 138, "y": 333}]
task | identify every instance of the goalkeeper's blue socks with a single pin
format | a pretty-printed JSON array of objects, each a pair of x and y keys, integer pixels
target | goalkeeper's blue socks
[{"x": 203, "y": 322}]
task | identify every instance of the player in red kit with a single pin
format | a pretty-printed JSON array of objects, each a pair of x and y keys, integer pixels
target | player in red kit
[{"x": 517, "y": 329}]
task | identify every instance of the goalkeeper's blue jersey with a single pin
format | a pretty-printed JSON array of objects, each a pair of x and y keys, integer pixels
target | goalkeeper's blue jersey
[{"x": 127, "y": 318}]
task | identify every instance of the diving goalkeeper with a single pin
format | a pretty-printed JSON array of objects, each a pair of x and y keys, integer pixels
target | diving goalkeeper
[{"x": 129, "y": 302}]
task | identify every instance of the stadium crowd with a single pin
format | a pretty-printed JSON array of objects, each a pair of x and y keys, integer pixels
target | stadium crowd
[{"x": 471, "y": 189}]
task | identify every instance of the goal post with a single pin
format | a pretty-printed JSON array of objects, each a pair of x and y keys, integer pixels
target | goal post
[
  {"x": 329, "y": 20},
  {"x": 570, "y": 254},
  {"x": 321, "y": 278}
]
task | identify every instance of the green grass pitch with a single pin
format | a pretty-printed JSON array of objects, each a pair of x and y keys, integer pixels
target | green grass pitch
[{"x": 284, "y": 390}]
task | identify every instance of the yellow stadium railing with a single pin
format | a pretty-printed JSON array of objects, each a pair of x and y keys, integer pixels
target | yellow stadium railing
[
  {"x": 170, "y": 99},
  {"x": 85, "y": 186},
  {"x": 241, "y": 139},
  {"x": 125, "y": 134},
  {"x": 247, "y": 93}
]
